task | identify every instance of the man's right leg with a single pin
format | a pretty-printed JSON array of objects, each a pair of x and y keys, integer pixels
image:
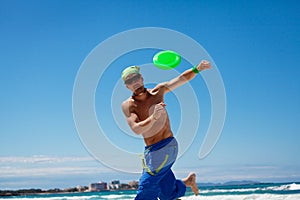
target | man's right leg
[{"x": 148, "y": 187}]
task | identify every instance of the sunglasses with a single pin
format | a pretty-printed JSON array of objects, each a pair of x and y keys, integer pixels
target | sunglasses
[{"x": 133, "y": 79}]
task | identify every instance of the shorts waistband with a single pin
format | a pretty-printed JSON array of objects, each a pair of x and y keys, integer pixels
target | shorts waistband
[{"x": 160, "y": 144}]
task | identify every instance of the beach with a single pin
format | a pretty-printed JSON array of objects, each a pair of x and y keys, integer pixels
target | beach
[{"x": 257, "y": 191}]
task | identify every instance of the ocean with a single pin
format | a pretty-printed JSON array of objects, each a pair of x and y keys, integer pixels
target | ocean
[{"x": 258, "y": 191}]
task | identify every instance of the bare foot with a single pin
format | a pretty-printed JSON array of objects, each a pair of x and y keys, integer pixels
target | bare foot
[{"x": 190, "y": 181}]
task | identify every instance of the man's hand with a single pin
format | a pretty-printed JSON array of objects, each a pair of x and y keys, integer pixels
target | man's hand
[
  {"x": 203, "y": 65},
  {"x": 159, "y": 109}
]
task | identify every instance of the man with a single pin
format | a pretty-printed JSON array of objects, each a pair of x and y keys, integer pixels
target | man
[{"x": 146, "y": 115}]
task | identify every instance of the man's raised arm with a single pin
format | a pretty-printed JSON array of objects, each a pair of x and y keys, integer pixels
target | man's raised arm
[{"x": 185, "y": 76}]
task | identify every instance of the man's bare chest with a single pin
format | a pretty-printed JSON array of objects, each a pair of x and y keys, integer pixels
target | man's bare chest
[{"x": 146, "y": 107}]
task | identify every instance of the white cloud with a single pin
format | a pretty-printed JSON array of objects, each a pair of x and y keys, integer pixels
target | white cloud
[
  {"x": 7, "y": 172},
  {"x": 42, "y": 159},
  {"x": 45, "y": 166}
]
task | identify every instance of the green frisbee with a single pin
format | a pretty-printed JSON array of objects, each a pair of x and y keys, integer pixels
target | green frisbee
[{"x": 166, "y": 59}]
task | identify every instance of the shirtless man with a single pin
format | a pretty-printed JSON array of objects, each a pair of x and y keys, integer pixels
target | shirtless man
[{"x": 146, "y": 115}]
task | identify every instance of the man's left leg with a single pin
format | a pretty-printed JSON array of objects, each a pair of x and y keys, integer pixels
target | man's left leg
[{"x": 170, "y": 187}]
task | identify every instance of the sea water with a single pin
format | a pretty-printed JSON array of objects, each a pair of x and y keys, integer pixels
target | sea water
[{"x": 261, "y": 191}]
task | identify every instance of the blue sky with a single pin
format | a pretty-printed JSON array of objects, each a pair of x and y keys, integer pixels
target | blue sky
[{"x": 254, "y": 44}]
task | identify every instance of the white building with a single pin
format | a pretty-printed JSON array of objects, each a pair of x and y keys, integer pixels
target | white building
[{"x": 115, "y": 185}]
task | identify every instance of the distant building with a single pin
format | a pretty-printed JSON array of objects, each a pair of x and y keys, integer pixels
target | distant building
[
  {"x": 96, "y": 187},
  {"x": 125, "y": 186},
  {"x": 133, "y": 184},
  {"x": 115, "y": 185}
]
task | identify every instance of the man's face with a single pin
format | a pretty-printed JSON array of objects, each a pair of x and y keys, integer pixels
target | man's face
[{"x": 134, "y": 82}]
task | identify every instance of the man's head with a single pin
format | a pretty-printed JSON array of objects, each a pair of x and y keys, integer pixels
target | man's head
[{"x": 133, "y": 79}]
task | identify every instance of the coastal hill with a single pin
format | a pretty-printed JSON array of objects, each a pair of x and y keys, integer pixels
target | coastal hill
[{"x": 229, "y": 183}]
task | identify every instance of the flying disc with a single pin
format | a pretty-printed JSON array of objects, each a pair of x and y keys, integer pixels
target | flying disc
[{"x": 166, "y": 59}]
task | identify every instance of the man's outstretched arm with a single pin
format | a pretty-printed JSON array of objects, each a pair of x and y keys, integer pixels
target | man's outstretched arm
[{"x": 184, "y": 77}]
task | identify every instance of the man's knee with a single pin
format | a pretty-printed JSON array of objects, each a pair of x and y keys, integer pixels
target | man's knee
[{"x": 147, "y": 192}]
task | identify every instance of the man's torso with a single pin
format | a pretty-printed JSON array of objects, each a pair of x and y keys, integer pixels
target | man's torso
[{"x": 144, "y": 108}]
